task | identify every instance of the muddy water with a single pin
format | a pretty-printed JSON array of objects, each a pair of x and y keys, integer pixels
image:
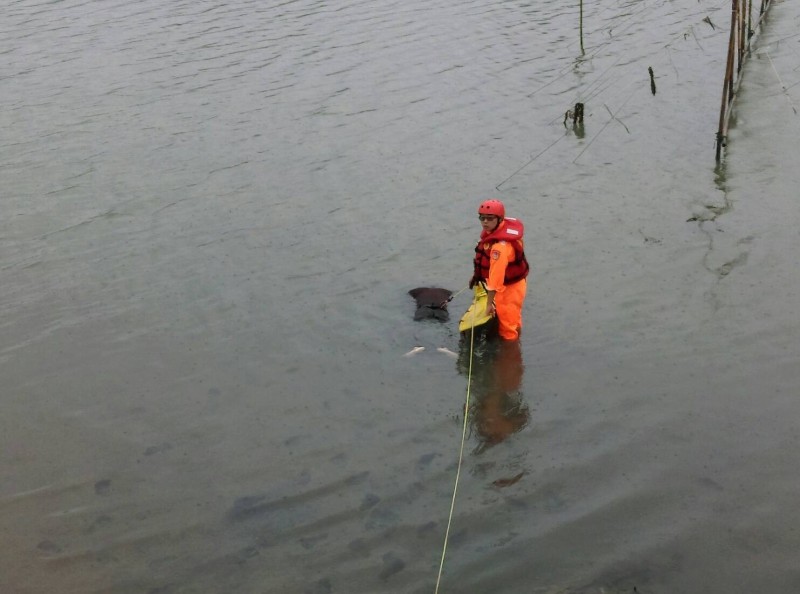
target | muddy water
[{"x": 211, "y": 216}]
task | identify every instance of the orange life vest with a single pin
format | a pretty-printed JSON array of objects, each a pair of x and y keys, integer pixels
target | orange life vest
[{"x": 512, "y": 232}]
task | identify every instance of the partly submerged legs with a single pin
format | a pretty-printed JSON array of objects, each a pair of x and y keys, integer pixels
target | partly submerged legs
[{"x": 508, "y": 305}]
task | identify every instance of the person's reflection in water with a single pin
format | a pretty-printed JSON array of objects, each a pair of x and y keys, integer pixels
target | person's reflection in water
[{"x": 497, "y": 408}]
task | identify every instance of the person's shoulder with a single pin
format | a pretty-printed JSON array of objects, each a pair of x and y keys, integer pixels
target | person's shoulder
[{"x": 502, "y": 248}]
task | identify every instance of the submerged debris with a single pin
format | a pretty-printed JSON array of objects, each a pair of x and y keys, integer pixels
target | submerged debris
[
  {"x": 576, "y": 115},
  {"x": 508, "y": 481}
]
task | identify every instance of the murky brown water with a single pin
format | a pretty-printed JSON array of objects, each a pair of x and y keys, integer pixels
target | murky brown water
[{"x": 212, "y": 213}]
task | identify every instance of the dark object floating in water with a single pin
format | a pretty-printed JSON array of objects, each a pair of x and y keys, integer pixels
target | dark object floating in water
[
  {"x": 102, "y": 487},
  {"x": 431, "y": 303},
  {"x": 392, "y": 564},
  {"x": 507, "y": 482},
  {"x": 576, "y": 115},
  {"x": 49, "y": 546},
  {"x": 323, "y": 586}
]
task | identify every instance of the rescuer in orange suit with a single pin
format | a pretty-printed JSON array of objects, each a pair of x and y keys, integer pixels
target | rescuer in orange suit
[{"x": 501, "y": 265}]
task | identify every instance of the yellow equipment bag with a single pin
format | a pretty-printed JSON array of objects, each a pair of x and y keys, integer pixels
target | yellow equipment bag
[{"x": 476, "y": 314}]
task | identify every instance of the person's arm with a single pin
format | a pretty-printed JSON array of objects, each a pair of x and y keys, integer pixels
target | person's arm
[{"x": 498, "y": 263}]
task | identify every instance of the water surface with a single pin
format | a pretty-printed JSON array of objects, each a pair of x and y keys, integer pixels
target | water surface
[{"x": 212, "y": 213}]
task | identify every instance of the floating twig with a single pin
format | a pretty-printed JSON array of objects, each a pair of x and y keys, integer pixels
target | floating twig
[
  {"x": 669, "y": 55},
  {"x": 616, "y": 118},
  {"x": 613, "y": 117},
  {"x": 697, "y": 41},
  {"x": 652, "y": 80},
  {"x": 507, "y": 482}
]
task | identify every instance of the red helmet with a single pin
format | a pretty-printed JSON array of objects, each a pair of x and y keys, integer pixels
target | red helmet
[{"x": 492, "y": 207}]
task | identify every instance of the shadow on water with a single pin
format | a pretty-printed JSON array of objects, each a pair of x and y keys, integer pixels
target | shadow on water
[{"x": 495, "y": 369}]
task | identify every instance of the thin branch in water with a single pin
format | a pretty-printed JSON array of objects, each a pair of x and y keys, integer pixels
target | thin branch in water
[
  {"x": 783, "y": 86},
  {"x": 616, "y": 118},
  {"x": 669, "y": 55},
  {"x": 697, "y": 41},
  {"x": 613, "y": 117}
]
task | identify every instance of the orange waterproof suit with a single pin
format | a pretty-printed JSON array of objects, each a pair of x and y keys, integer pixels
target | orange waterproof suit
[{"x": 507, "y": 264}]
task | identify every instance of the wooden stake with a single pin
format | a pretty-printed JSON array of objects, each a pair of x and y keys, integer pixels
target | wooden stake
[{"x": 727, "y": 87}]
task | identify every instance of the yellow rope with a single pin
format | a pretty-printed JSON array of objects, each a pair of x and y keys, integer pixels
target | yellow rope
[{"x": 461, "y": 452}]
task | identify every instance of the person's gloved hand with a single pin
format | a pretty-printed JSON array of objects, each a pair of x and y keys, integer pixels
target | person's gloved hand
[{"x": 473, "y": 281}]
